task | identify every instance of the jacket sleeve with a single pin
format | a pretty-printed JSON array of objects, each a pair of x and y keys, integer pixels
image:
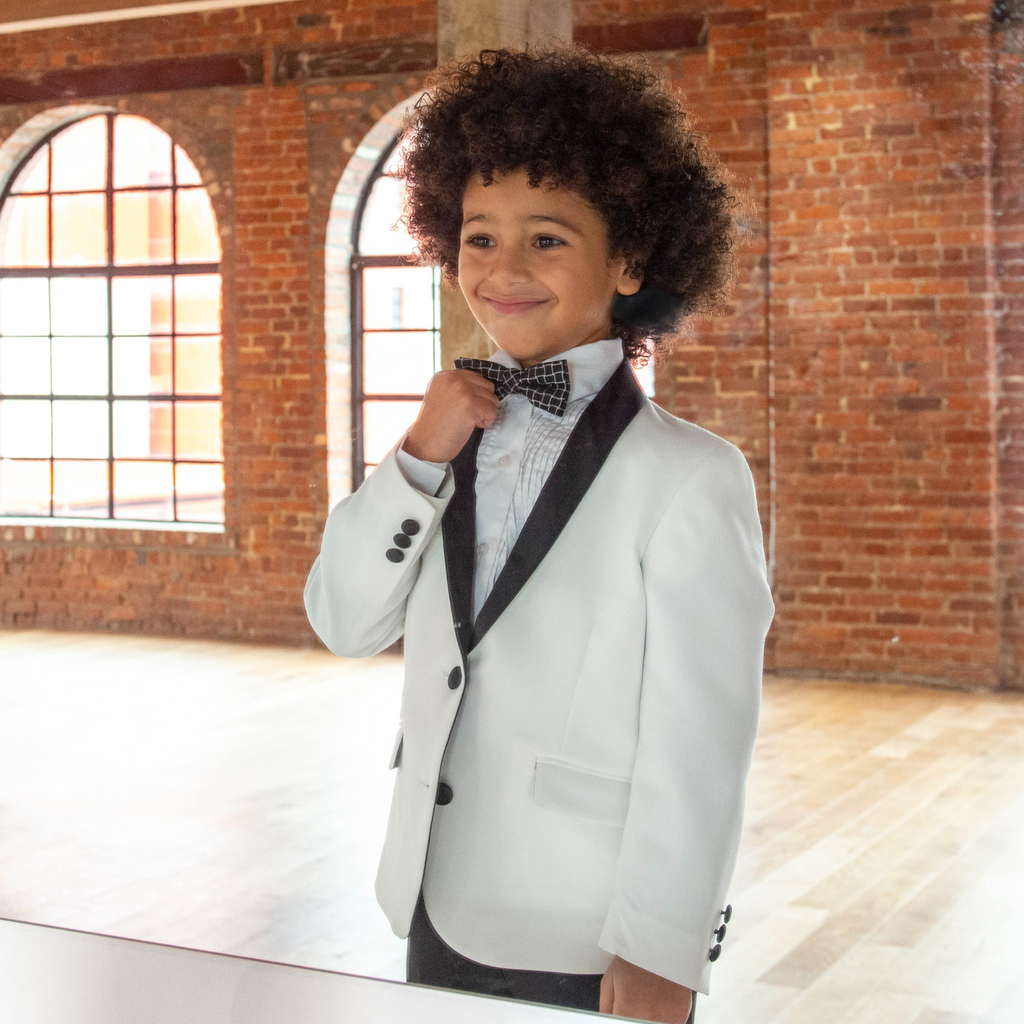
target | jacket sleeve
[
  {"x": 708, "y": 611},
  {"x": 355, "y": 595},
  {"x": 424, "y": 476}
]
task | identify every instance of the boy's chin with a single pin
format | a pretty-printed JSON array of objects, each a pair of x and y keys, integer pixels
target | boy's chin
[{"x": 530, "y": 347}]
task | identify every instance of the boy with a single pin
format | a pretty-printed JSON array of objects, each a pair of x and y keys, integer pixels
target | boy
[{"x": 579, "y": 576}]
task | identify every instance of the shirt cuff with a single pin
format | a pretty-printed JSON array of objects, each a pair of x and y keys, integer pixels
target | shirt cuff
[{"x": 424, "y": 476}]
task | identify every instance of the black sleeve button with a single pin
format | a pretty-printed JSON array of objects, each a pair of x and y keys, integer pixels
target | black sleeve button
[
  {"x": 727, "y": 914},
  {"x": 411, "y": 527},
  {"x": 714, "y": 952},
  {"x": 454, "y": 678},
  {"x": 719, "y": 932},
  {"x": 444, "y": 794},
  {"x": 402, "y": 540},
  {"x": 394, "y": 555}
]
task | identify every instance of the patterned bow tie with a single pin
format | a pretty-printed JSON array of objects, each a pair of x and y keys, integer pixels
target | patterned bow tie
[{"x": 546, "y": 385}]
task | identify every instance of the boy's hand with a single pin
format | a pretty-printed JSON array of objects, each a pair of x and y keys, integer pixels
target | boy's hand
[
  {"x": 456, "y": 402},
  {"x": 630, "y": 991}
]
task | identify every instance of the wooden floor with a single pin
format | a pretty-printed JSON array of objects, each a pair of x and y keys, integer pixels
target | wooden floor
[{"x": 234, "y": 798}]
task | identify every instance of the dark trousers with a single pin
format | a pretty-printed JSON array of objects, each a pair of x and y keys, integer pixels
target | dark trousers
[{"x": 431, "y": 961}]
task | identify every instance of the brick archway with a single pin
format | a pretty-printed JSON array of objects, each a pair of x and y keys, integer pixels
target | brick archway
[
  {"x": 337, "y": 296},
  {"x": 37, "y": 128}
]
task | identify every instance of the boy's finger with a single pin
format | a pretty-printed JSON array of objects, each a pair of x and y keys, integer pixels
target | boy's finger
[
  {"x": 607, "y": 995},
  {"x": 480, "y": 381}
]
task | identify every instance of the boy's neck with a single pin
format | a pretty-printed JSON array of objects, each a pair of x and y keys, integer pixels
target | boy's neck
[{"x": 534, "y": 359}]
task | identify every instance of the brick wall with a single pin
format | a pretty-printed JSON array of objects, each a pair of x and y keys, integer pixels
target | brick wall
[
  {"x": 882, "y": 336},
  {"x": 1008, "y": 208},
  {"x": 869, "y": 362},
  {"x": 253, "y": 146}
]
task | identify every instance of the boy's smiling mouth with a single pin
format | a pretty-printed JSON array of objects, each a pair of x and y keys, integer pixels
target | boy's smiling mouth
[{"x": 512, "y": 305}]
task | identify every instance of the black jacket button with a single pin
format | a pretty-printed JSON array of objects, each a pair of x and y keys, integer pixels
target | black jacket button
[
  {"x": 394, "y": 555},
  {"x": 719, "y": 932},
  {"x": 454, "y": 678},
  {"x": 714, "y": 952},
  {"x": 410, "y": 526},
  {"x": 402, "y": 540},
  {"x": 444, "y": 794},
  {"x": 727, "y": 913}
]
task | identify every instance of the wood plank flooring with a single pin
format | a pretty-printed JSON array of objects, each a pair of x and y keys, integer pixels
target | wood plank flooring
[{"x": 234, "y": 798}]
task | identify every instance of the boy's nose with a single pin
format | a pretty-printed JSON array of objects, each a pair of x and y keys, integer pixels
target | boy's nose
[{"x": 510, "y": 265}]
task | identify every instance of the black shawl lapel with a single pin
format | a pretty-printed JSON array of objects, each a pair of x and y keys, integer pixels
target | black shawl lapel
[
  {"x": 595, "y": 433},
  {"x": 458, "y": 531}
]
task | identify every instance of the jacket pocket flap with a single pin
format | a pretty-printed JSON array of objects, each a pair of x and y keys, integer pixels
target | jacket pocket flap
[
  {"x": 396, "y": 753},
  {"x": 587, "y": 794}
]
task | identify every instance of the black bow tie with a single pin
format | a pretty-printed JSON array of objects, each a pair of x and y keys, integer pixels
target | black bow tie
[{"x": 546, "y": 385}]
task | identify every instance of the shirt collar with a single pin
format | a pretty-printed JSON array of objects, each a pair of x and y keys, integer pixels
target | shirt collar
[{"x": 590, "y": 365}]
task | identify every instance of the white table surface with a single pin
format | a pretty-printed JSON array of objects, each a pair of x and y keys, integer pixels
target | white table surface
[{"x": 59, "y": 976}]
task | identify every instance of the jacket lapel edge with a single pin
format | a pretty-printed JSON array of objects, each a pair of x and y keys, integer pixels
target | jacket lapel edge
[
  {"x": 458, "y": 533},
  {"x": 591, "y": 441}
]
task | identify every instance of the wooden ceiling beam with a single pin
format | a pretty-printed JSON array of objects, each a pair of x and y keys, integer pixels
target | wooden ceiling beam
[{"x": 31, "y": 15}]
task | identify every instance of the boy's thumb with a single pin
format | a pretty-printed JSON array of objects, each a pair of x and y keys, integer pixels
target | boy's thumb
[{"x": 607, "y": 992}]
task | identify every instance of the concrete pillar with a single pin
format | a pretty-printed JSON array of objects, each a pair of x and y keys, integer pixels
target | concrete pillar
[{"x": 466, "y": 27}]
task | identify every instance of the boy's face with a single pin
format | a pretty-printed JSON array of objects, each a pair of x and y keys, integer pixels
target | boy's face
[{"x": 535, "y": 269}]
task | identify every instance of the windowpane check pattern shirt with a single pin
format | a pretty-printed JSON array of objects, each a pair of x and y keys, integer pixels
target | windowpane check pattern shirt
[{"x": 517, "y": 453}]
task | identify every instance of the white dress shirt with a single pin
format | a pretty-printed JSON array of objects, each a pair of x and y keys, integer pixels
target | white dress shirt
[{"x": 517, "y": 453}]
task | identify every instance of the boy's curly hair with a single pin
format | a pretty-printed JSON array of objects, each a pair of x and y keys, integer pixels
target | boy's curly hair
[{"x": 605, "y": 128}]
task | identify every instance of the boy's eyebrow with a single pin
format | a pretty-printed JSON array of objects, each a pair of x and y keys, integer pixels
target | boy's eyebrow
[{"x": 533, "y": 217}]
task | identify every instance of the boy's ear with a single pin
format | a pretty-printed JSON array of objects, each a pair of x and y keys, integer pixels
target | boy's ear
[{"x": 628, "y": 285}]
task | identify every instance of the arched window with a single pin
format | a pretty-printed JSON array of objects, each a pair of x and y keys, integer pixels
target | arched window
[
  {"x": 110, "y": 321},
  {"x": 395, "y": 308}
]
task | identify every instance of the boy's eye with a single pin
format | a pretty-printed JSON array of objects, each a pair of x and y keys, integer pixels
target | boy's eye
[{"x": 486, "y": 242}]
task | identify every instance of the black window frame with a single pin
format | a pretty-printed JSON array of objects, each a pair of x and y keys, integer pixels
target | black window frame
[
  {"x": 357, "y": 265},
  {"x": 110, "y": 271}
]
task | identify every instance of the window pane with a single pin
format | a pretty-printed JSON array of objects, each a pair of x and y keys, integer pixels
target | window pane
[
  {"x": 142, "y": 305},
  {"x": 80, "y": 430},
  {"x": 380, "y": 234},
  {"x": 383, "y": 424},
  {"x": 24, "y": 366},
  {"x": 142, "y": 366},
  {"x": 142, "y": 152},
  {"x": 24, "y": 305},
  {"x": 24, "y": 488},
  {"x": 80, "y": 489},
  {"x": 198, "y": 430},
  {"x": 24, "y": 234},
  {"x": 80, "y": 156},
  {"x": 397, "y": 363},
  {"x": 143, "y": 490},
  {"x": 25, "y": 429},
  {"x": 34, "y": 176},
  {"x": 197, "y": 365},
  {"x": 142, "y": 228},
  {"x": 79, "y": 366},
  {"x": 80, "y": 230},
  {"x": 200, "y": 490},
  {"x": 184, "y": 169},
  {"x": 78, "y": 305},
  {"x": 197, "y": 303},
  {"x": 198, "y": 241},
  {"x": 142, "y": 430},
  {"x": 398, "y": 297}
]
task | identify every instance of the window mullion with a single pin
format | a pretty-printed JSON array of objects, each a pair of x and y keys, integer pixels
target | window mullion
[{"x": 110, "y": 316}]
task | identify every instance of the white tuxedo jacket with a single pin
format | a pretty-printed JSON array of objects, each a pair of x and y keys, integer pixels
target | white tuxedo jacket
[{"x": 571, "y": 766}]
